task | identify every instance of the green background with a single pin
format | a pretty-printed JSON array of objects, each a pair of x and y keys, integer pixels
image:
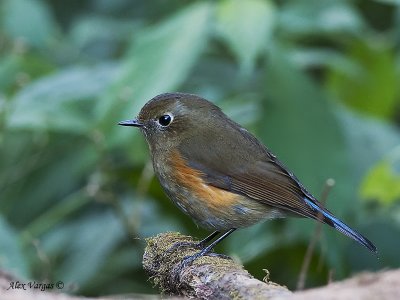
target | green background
[{"x": 317, "y": 81}]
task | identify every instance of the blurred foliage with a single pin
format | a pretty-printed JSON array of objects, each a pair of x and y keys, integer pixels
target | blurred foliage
[
  {"x": 382, "y": 182},
  {"x": 317, "y": 81}
]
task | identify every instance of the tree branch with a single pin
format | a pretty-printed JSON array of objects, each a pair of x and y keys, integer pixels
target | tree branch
[{"x": 208, "y": 277}]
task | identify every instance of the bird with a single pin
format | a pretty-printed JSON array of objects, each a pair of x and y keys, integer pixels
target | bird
[{"x": 220, "y": 174}]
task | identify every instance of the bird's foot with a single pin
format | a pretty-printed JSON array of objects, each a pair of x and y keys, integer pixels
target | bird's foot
[
  {"x": 177, "y": 245},
  {"x": 188, "y": 260},
  {"x": 184, "y": 263}
]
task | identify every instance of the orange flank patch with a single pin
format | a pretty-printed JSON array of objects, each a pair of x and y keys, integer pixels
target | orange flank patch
[{"x": 191, "y": 179}]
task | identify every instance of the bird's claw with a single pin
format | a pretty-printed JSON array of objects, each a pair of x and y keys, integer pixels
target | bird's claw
[
  {"x": 188, "y": 260},
  {"x": 184, "y": 263}
]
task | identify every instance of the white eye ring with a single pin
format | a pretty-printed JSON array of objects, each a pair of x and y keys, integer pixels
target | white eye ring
[{"x": 165, "y": 120}]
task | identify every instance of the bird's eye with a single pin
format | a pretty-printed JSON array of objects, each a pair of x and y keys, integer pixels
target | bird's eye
[{"x": 165, "y": 120}]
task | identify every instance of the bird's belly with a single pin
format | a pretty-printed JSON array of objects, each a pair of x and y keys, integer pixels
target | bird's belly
[
  {"x": 237, "y": 215},
  {"x": 221, "y": 210}
]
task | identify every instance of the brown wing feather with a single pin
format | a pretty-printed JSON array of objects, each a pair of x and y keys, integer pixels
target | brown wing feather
[
  {"x": 244, "y": 166},
  {"x": 270, "y": 185}
]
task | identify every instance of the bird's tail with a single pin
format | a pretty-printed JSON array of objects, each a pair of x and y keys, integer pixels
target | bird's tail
[{"x": 334, "y": 222}]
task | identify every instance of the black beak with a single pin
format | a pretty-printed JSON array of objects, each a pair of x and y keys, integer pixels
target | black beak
[{"x": 133, "y": 122}]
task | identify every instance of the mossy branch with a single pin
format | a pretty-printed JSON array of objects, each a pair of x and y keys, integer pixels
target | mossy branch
[{"x": 208, "y": 277}]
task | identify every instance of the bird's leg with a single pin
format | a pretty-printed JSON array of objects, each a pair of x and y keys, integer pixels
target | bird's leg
[
  {"x": 197, "y": 245},
  {"x": 187, "y": 261},
  {"x": 206, "y": 250},
  {"x": 204, "y": 242}
]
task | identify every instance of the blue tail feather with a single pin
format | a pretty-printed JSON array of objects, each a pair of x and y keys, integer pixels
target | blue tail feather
[{"x": 340, "y": 226}]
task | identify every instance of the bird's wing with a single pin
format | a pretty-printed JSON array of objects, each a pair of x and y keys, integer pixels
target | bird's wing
[
  {"x": 266, "y": 182},
  {"x": 247, "y": 168}
]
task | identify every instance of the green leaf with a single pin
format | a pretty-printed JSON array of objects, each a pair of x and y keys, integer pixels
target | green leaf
[
  {"x": 373, "y": 89},
  {"x": 9, "y": 65},
  {"x": 56, "y": 214},
  {"x": 162, "y": 56},
  {"x": 160, "y": 59},
  {"x": 298, "y": 119},
  {"x": 247, "y": 27},
  {"x": 310, "y": 17},
  {"x": 85, "y": 36},
  {"x": 382, "y": 182},
  {"x": 61, "y": 101},
  {"x": 29, "y": 20},
  {"x": 322, "y": 58},
  {"x": 86, "y": 252},
  {"x": 368, "y": 140},
  {"x": 60, "y": 168},
  {"x": 300, "y": 127},
  {"x": 11, "y": 255}
]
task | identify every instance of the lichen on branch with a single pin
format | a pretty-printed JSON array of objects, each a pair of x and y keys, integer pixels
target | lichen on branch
[{"x": 208, "y": 277}]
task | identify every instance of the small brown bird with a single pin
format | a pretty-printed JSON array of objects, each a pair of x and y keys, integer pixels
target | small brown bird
[{"x": 218, "y": 173}]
